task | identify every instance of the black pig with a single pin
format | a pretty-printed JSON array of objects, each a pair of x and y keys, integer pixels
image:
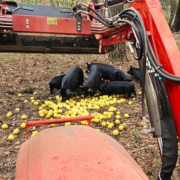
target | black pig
[
  {"x": 135, "y": 72},
  {"x": 108, "y": 72},
  {"x": 93, "y": 81},
  {"x": 119, "y": 87},
  {"x": 71, "y": 82},
  {"x": 121, "y": 76},
  {"x": 55, "y": 83}
]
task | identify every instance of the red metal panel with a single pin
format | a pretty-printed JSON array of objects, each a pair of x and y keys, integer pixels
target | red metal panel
[
  {"x": 41, "y": 24},
  {"x": 88, "y": 155},
  {"x": 165, "y": 49},
  {"x": 122, "y": 35}
]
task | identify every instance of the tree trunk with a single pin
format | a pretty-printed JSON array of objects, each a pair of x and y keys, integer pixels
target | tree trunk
[
  {"x": 119, "y": 54},
  {"x": 173, "y": 5},
  {"x": 169, "y": 8},
  {"x": 176, "y": 23},
  {"x": 52, "y": 2}
]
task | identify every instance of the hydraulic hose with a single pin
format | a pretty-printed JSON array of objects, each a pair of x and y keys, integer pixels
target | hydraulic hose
[
  {"x": 162, "y": 118},
  {"x": 103, "y": 21},
  {"x": 135, "y": 17},
  {"x": 169, "y": 136},
  {"x": 158, "y": 67},
  {"x": 169, "y": 140},
  {"x": 139, "y": 33}
]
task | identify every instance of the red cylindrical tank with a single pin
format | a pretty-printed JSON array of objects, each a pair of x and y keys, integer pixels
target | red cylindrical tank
[{"x": 75, "y": 153}]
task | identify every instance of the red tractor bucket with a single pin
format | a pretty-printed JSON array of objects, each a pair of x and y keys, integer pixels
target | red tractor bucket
[{"x": 75, "y": 153}]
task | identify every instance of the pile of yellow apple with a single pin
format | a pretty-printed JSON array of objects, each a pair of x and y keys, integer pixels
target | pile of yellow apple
[{"x": 101, "y": 108}]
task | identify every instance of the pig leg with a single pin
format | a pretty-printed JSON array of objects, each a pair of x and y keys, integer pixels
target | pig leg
[{"x": 51, "y": 90}]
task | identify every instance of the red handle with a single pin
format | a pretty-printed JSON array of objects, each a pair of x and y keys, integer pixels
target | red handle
[{"x": 56, "y": 121}]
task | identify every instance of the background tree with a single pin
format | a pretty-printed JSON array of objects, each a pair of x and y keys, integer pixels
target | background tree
[
  {"x": 171, "y": 10},
  {"x": 120, "y": 49},
  {"x": 176, "y": 23},
  {"x": 173, "y": 5}
]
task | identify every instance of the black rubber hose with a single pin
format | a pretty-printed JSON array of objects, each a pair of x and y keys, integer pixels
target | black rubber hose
[
  {"x": 160, "y": 70},
  {"x": 103, "y": 21},
  {"x": 169, "y": 136},
  {"x": 168, "y": 129},
  {"x": 132, "y": 26},
  {"x": 138, "y": 17},
  {"x": 166, "y": 98},
  {"x": 141, "y": 39},
  {"x": 142, "y": 62},
  {"x": 162, "y": 98},
  {"x": 140, "y": 50},
  {"x": 115, "y": 2},
  {"x": 142, "y": 57}
]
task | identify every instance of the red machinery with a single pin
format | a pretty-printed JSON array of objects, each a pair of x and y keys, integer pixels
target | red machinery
[
  {"x": 91, "y": 29},
  {"x": 74, "y": 152}
]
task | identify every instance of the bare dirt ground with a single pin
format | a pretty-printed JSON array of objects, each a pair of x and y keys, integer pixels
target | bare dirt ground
[{"x": 29, "y": 73}]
